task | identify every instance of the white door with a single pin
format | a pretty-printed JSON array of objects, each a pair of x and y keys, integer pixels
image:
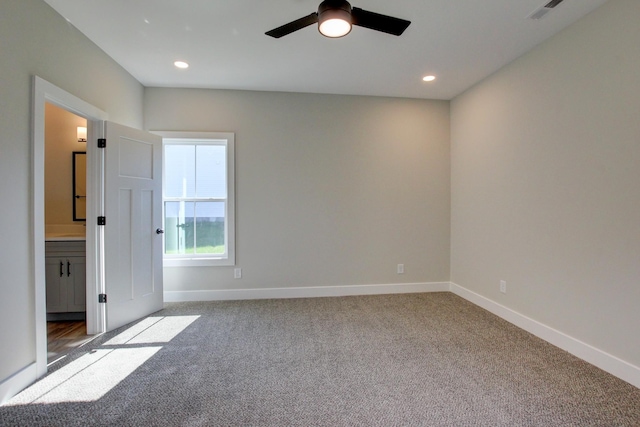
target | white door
[{"x": 133, "y": 211}]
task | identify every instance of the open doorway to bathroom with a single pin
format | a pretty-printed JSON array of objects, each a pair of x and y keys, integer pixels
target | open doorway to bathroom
[
  {"x": 46, "y": 93},
  {"x": 65, "y": 195}
]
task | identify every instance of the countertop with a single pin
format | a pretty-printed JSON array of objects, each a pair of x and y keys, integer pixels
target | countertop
[{"x": 57, "y": 237}]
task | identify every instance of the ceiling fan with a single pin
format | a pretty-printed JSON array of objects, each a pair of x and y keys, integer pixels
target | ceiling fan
[{"x": 336, "y": 17}]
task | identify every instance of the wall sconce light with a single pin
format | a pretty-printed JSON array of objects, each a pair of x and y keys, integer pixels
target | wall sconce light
[{"x": 82, "y": 134}]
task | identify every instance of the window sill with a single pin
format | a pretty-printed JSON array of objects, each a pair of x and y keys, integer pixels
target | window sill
[{"x": 197, "y": 262}]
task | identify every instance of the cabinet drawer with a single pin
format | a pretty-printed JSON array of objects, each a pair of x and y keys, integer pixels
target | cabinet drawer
[{"x": 65, "y": 248}]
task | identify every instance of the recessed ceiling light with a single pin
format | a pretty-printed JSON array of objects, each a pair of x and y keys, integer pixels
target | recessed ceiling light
[
  {"x": 429, "y": 78},
  {"x": 181, "y": 64}
]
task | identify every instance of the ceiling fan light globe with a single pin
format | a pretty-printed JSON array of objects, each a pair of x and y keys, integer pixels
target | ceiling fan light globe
[{"x": 334, "y": 28}]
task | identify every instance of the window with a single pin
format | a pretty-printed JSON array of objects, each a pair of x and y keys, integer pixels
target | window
[{"x": 198, "y": 197}]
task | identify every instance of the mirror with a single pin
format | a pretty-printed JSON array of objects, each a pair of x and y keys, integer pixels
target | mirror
[{"x": 79, "y": 185}]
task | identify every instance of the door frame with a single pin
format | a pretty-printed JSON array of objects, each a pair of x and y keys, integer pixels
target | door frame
[{"x": 44, "y": 92}]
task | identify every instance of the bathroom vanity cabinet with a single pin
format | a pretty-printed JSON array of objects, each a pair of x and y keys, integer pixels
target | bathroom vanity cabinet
[{"x": 65, "y": 276}]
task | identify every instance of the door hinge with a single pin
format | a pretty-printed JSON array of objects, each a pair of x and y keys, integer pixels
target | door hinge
[
  {"x": 102, "y": 298},
  {"x": 102, "y": 142},
  {"x": 102, "y": 220}
]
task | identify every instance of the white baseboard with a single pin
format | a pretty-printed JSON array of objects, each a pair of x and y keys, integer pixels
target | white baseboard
[
  {"x": 605, "y": 361},
  {"x": 17, "y": 382},
  {"x": 304, "y": 292}
]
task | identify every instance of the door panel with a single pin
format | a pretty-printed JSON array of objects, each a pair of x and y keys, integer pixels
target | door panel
[
  {"x": 133, "y": 208},
  {"x": 147, "y": 234},
  {"x": 121, "y": 288}
]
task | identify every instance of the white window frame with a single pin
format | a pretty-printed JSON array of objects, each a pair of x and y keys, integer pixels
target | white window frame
[{"x": 195, "y": 260}]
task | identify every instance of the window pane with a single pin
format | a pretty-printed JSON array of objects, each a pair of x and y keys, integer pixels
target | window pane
[
  {"x": 198, "y": 195},
  {"x": 211, "y": 171},
  {"x": 178, "y": 225},
  {"x": 210, "y": 221},
  {"x": 179, "y": 175}
]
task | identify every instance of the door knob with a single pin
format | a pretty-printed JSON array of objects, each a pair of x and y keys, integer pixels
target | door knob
[{"x": 159, "y": 231}]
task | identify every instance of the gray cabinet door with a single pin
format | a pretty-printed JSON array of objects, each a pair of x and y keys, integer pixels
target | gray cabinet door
[
  {"x": 66, "y": 284},
  {"x": 77, "y": 284},
  {"x": 55, "y": 274}
]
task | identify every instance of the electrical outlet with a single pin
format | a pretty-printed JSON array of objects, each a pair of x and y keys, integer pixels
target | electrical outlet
[
  {"x": 503, "y": 286},
  {"x": 400, "y": 268},
  {"x": 237, "y": 273}
]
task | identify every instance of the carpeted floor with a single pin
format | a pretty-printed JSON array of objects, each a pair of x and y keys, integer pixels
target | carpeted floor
[{"x": 395, "y": 360}]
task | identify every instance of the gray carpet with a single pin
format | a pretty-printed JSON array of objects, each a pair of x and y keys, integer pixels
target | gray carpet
[{"x": 398, "y": 360}]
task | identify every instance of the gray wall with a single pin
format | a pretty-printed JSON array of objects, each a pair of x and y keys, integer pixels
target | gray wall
[
  {"x": 546, "y": 182},
  {"x": 331, "y": 190},
  {"x": 35, "y": 40}
]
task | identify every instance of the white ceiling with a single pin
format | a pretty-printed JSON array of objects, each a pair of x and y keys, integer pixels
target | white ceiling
[{"x": 460, "y": 41}]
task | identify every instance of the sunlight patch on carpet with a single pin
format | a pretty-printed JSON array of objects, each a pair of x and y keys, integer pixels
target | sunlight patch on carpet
[
  {"x": 94, "y": 374},
  {"x": 153, "y": 330},
  {"x": 88, "y": 378}
]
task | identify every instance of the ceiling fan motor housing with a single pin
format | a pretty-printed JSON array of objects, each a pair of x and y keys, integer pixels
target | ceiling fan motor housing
[{"x": 334, "y": 5}]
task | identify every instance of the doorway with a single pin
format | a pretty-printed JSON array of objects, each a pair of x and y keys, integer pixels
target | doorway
[
  {"x": 65, "y": 192},
  {"x": 45, "y": 93}
]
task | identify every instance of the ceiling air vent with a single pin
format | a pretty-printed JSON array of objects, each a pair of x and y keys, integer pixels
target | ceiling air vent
[{"x": 541, "y": 11}]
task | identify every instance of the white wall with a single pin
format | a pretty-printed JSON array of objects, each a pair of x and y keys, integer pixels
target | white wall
[
  {"x": 546, "y": 183},
  {"x": 36, "y": 40},
  {"x": 331, "y": 190}
]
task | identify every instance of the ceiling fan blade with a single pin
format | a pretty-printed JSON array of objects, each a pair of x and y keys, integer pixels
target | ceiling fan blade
[
  {"x": 378, "y": 22},
  {"x": 296, "y": 25}
]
